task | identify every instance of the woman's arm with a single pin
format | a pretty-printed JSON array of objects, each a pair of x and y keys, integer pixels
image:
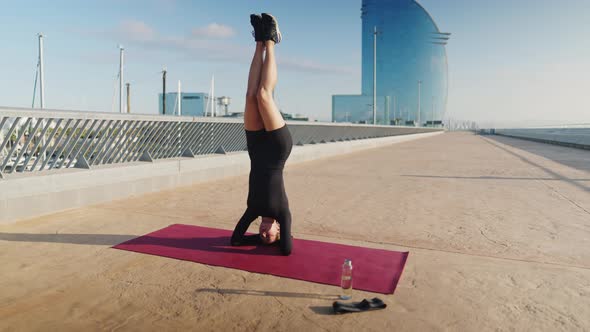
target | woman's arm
[
  {"x": 286, "y": 240},
  {"x": 238, "y": 238}
]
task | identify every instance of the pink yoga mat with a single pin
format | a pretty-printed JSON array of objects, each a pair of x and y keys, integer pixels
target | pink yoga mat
[{"x": 374, "y": 270}]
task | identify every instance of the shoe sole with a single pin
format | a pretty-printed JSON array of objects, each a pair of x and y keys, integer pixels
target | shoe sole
[{"x": 252, "y": 22}]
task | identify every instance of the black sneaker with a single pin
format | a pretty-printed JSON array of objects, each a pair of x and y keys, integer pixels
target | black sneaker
[
  {"x": 256, "y": 21},
  {"x": 271, "y": 28}
]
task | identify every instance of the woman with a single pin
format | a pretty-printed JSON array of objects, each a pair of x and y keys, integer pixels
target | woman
[{"x": 269, "y": 145}]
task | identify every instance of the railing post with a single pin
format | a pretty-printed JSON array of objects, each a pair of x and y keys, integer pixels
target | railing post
[
  {"x": 81, "y": 162},
  {"x": 146, "y": 156},
  {"x": 188, "y": 153},
  {"x": 220, "y": 150}
]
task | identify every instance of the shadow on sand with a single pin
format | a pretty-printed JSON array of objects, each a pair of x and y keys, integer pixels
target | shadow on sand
[
  {"x": 88, "y": 239},
  {"x": 128, "y": 242},
  {"x": 269, "y": 293},
  {"x": 320, "y": 310}
]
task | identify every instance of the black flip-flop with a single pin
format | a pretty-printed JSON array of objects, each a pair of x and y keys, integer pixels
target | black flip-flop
[{"x": 364, "y": 305}]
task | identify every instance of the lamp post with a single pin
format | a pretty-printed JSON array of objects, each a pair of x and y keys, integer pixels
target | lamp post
[
  {"x": 121, "y": 106},
  {"x": 375, "y": 33},
  {"x": 41, "y": 73},
  {"x": 164, "y": 91},
  {"x": 41, "y": 90},
  {"x": 394, "y": 109},
  {"x": 419, "y": 89},
  {"x": 128, "y": 97},
  {"x": 179, "y": 99}
]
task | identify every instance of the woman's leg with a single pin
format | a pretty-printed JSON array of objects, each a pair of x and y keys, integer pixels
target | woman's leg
[
  {"x": 271, "y": 117},
  {"x": 252, "y": 119}
]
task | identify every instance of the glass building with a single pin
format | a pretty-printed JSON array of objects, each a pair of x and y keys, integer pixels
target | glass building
[
  {"x": 192, "y": 104},
  {"x": 359, "y": 109},
  {"x": 411, "y": 67}
]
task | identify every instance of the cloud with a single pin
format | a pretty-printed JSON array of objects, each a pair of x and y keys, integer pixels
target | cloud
[
  {"x": 214, "y": 30},
  {"x": 208, "y": 43},
  {"x": 314, "y": 67},
  {"x": 136, "y": 31},
  {"x": 204, "y": 43},
  {"x": 190, "y": 49}
]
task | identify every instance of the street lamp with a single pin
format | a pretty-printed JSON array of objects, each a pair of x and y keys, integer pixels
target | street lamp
[
  {"x": 121, "y": 50},
  {"x": 375, "y": 33},
  {"x": 419, "y": 89}
]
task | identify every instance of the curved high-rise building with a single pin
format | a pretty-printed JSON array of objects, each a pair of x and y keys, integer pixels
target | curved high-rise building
[{"x": 411, "y": 66}]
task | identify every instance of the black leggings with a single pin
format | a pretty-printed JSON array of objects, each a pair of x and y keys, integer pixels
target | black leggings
[{"x": 268, "y": 151}]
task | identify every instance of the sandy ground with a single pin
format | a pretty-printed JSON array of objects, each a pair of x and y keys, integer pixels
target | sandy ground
[{"x": 498, "y": 231}]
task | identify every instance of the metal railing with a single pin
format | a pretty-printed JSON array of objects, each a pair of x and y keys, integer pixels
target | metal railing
[{"x": 42, "y": 140}]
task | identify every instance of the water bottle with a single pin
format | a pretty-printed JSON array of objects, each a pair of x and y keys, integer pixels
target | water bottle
[{"x": 346, "y": 282}]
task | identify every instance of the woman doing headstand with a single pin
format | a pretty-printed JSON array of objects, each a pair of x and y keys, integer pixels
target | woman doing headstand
[{"x": 269, "y": 145}]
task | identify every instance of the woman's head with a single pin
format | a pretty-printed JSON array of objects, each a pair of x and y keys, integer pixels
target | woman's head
[{"x": 270, "y": 230}]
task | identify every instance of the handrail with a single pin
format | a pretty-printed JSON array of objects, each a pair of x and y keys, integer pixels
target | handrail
[{"x": 33, "y": 140}]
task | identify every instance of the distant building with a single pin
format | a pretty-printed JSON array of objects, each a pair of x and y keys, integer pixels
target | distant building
[
  {"x": 294, "y": 117},
  {"x": 234, "y": 115},
  {"x": 192, "y": 103},
  {"x": 410, "y": 48},
  {"x": 359, "y": 108}
]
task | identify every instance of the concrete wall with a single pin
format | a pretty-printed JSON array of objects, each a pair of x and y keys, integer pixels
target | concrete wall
[{"x": 33, "y": 194}]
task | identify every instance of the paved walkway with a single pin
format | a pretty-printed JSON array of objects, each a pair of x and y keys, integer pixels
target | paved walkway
[{"x": 498, "y": 231}]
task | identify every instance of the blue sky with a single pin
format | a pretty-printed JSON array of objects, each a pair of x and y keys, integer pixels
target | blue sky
[{"x": 510, "y": 62}]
